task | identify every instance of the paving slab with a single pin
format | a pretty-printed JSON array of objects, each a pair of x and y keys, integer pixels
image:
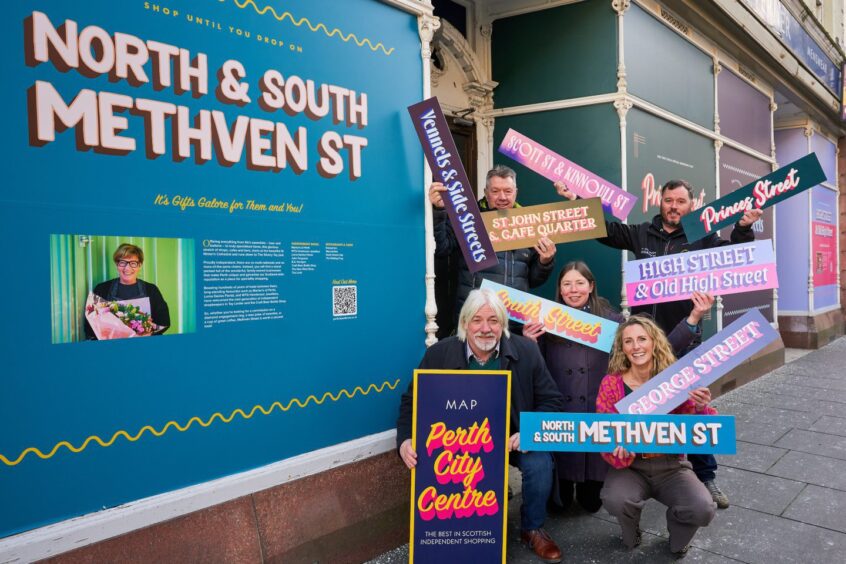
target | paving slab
[
  {"x": 752, "y": 490},
  {"x": 760, "y": 433},
  {"x": 747, "y": 412},
  {"x": 815, "y": 381},
  {"x": 797, "y": 389},
  {"x": 823, "y": 507},
  {"x": 811, "y": 468},
  {"x": 814, "y": 442},
  {"x": 754, "y": 457},
  {"x": 754, "y": 537},
  {"x": 793, "y": 403},
  {"x": 830, "y": 425}
]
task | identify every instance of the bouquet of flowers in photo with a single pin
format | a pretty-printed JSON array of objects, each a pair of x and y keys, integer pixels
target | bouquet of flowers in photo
[{"x": 119, "y": 319}]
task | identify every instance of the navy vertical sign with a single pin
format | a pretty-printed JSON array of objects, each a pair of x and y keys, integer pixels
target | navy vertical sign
[
  {"x": 459, "y": 201},
  {"x": 459, "y": 488}
]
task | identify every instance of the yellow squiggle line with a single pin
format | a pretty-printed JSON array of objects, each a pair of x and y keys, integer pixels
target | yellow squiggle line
[
  {"x": 216, "y": 415},
  {"x": 314, "y": 28}
]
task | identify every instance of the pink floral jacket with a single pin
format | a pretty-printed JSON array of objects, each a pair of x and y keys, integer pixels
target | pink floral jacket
[{"x": 611, "y": 391}]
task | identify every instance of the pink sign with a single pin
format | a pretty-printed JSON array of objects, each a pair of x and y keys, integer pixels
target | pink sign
[
  {"x": 824, "y": 261},
  {"x": 731, "y": 269},
  {"x": 553, "y": 166}
]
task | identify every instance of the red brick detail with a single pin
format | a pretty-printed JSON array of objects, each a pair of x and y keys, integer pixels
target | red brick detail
[
  {"x": 327, "y": 506},
  {"x": 222, "y": 533}
]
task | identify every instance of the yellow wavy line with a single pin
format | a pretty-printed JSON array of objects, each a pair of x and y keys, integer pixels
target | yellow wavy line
[
  {"x": 314, "y": 28},
  {"x": 216, "y": 415}
]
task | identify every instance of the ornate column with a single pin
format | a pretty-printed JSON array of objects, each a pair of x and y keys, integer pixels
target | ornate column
[
  {"x": 717, "y": 68},
  {"x": 480, "y": 97},
  {"x": 620, "y": 6},
  {"x": 622, "y": 104},
  {"x": 427, "y": 26},
  {"x": 774, "y": 167},
  {"x": 808, "y": 131},
  {"x": 483, "y": 46},
  {"x": 718, "y": 144}
]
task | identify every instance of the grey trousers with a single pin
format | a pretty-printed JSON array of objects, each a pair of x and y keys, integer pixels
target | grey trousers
[{"x": 669, "y": 480}]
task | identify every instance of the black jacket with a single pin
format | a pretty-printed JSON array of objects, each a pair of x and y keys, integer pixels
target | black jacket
[
  {"x": 532, "y": 388},
  {"x": 521, "y": 269},
  {"x": 648, "y": 240}
]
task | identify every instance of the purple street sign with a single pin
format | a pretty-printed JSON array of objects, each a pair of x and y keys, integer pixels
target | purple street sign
[
  {"x": 704, "y": 365},
  {"x": 553, "y": 166},
  {"x": 459, "y": 200}
]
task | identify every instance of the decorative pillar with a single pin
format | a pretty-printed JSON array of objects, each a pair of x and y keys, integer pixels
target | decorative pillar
[
  {"x": 774, "y": 167},
  {"x": 426, "y": 27},
  {"x": 623, "y": 105},
  {"x": 480, "y": 96},
  {"x": 483, "y": 47},
  {"x": 808, "y": 131},
  {"x": 717, "y": 69},
  {"x": 718, "y": 144},
  {"x": 620, "y": 6}
]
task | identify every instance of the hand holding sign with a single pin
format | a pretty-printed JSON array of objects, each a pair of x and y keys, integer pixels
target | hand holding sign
[
  {"x": 563, "y": 190},
  {"x": 750, "y": 217},
  {"x": 701, "y": 305},
  {"x": 701, "y": 397},
  {"x": 408, "y": 454},
  {"x": 545, "y": 249},
  {"x": 435, "y": 194},
  {"x": 533, "y": 330}
]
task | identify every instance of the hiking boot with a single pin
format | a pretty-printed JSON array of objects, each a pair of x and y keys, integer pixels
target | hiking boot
[{"x": 717, "y": 494}]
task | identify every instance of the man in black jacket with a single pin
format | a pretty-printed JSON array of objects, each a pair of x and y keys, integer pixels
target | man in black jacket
[
  {"x": 483, "y": 342},
  {"x": 521, "y": 268},
  {"x": 664, "y": 235}
]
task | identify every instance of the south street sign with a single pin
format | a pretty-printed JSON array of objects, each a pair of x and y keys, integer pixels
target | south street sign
[
  {"x": 768, "y": 190},
  {"x": 558, "y": 319}
]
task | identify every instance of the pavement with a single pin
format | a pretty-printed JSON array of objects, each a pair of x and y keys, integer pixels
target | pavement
[{"x": 787, "y": 483}]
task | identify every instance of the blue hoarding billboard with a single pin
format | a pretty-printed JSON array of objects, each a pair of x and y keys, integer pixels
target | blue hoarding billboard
[{"x": 259, "y": 156}]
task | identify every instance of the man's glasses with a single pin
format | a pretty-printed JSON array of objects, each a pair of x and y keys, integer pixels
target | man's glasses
[{"x": 130, "y": 263}]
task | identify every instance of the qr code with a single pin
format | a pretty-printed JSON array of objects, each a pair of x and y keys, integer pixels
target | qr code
[{"x": 344, "y": 300}]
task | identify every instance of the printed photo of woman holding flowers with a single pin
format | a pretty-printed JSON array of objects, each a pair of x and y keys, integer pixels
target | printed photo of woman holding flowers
[
  {"x": 105, "y": 287},
  {"x": 126, "y": 306}
]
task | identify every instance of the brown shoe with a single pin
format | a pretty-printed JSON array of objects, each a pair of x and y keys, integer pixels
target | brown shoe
[{"x": 545, "y": 548}]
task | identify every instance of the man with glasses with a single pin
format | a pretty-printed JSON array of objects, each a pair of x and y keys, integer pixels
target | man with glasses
[{"x": 128, "y": 260}]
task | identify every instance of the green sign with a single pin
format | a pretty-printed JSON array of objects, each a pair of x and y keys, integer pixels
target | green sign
[{"x": 768, "y": 190}]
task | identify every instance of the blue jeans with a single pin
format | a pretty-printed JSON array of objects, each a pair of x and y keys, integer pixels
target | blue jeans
[
  {"x": 704, "y": 466},
  {"x": 536, "y": 468}
]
